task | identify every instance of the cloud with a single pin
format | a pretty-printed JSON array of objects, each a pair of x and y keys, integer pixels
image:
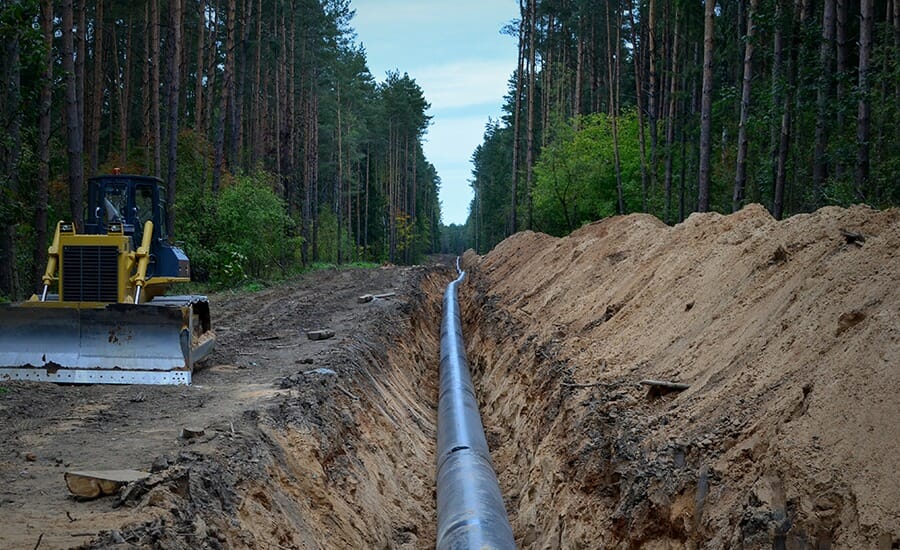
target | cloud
[
  {"x": 464, "y": 83},
  {"x": 427, "y": 12},
  {"x": 449, "y": 146},
  {"x": 454, "y": 139}
]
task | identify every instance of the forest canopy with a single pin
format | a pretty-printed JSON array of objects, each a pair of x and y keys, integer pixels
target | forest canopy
[
  {"x": 671, "y": 107},
  {"x": 277, "y": 146}
]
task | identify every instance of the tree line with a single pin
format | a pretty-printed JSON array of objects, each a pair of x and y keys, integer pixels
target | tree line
[
  {"x": 671, "y": 107},
  {"x": 277, "y": 146}
]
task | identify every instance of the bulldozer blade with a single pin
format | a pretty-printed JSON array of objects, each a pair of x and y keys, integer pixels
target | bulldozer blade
[{"x": 116, "y": 344}]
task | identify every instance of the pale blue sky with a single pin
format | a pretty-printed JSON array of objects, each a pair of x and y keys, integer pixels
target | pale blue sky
[{"x": 455, "y": 52}]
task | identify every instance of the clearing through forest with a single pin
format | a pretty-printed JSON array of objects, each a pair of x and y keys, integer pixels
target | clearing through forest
[{"x": 786, "y": 336}]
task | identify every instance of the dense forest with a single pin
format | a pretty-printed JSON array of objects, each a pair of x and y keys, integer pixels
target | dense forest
[
  {"x": 671, "y": 107},
  {"x": 277, "y": 146}
]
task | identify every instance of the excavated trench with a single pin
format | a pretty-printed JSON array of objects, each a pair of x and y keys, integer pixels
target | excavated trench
[
  {"x": 758, "y": 452},
  {"x": 346, "y": 459},
  {"x": 352, "y": 462}
]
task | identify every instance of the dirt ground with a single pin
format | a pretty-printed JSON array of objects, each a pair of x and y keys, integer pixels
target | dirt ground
[
  {"x": 306, "y": 443},
  {"x": 786, "y": 334}
]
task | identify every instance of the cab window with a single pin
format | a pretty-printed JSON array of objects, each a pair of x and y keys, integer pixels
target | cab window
[{"x": 113, "y": 203}]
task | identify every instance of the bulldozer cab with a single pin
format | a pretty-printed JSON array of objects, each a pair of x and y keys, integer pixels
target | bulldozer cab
[{"x": 130, "y": 201}]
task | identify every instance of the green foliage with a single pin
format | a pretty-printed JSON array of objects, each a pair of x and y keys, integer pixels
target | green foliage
[
  {"x": 492, "y": 182},
  {"x": 239, "y": 234},
  {"x": 252, "y": 227},
  {"x": 254, "y": 286},
  {"x": 328, "y": 237},
  {"x": 576, "y": 175}
]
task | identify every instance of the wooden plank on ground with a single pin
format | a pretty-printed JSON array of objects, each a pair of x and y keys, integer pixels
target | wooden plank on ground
[
  {"x": 95, "y": 483},
  {"x": 674, "y": 386}
]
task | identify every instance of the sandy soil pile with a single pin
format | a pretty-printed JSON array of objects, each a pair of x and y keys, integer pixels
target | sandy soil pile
[{"x": 788, "y": 334}]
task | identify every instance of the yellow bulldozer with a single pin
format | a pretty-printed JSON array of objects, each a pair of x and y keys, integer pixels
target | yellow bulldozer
[{"x": 103, "y": 316}]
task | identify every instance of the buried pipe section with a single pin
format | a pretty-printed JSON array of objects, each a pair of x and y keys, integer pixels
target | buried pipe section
[{"x": 470, "y": 510}]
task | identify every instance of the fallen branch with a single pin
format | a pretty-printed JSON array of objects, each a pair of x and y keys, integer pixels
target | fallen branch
[
  {"x": 347, "y": 393},
  {"x": 673, "y": 386}
]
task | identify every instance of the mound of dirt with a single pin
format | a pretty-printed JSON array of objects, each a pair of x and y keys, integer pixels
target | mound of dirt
[{"x": 787, "y": 334}]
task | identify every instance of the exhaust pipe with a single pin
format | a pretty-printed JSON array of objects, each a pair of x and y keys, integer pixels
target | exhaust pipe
[{"x": 470, "y": 508}]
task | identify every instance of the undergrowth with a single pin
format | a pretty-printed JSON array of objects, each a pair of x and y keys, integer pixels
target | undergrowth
[{"x": 257, "y": 284}]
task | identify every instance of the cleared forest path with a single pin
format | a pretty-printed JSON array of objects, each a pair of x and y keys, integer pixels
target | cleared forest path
[{"x": 786, "y": 334}]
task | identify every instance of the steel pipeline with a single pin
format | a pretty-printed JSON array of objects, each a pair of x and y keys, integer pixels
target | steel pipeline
[{"x": 470, "y": 507}]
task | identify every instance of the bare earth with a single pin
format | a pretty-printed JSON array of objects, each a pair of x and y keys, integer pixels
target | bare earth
[
  {"x": 787, "y": 335},
  {"x": 282, "y": 455}
]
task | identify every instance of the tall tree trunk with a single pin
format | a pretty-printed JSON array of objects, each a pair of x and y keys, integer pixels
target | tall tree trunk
[
  {"x": 366, "y": 206},
  {"x": 211, "y": 63},
  {"x": 866, "y": 25},
  {"x": 823, "y": 93},
  {"x": 295, "y": 83},
  {"x": 740, "y": 179},
  {"x": 314, "y": 166},
  {"x": 229, "y": 96},
  {"x": 670, "y": 119},
  {"x": 638, "y": 93},
  {"x": 842, "y": 56},
  {"x": 42, "y": 197},
  {"x": 279, "y": 98},
  {"x": 653, "y": 112},
  {"x": 256, "y": 108},
  {"x": 896, "y": 17},
  {"x": 777, "y": 87},
  {"x": 80, "y": 57},
  {"x": 240, "y": 78},
  {"x": 339, "y": 182},
  {"x": 520, "y": 62},
  {"x": 786, "y": 121},
  {"x": 220, "y": 162},
  {"x": 175, "y": 8},
  {"x": 10, "y": 159},
  {"x": 529, "y": 132},
  {"x": 146, "y": 134},
  {"x": 155, "y": 123},
  {"x": 97, "y": 92},
  {"x": 614, "y": 75},
  {"x": 579, "y": 69},
  {"x": 73, "y": 130},
  {"x": 706, "y": 107},
  {"x": 201, "y": 70},
  {"x": 306, "y": 213},
  {"x": 123, "y": 89}
]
